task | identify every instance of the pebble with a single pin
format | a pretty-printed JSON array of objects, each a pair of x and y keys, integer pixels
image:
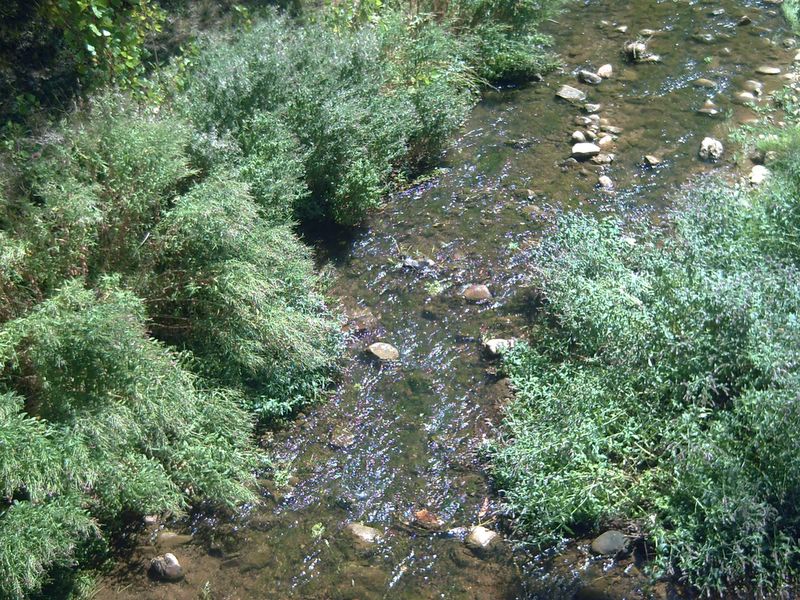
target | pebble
[
  {"x": 622, "y": 29},
  {"x": 592, "y": 108},
  {"x": 652, "y": 160},
  {"x": 711, "y": 149},
  {"x": 585, "y": 150},
  {"x": 605, "y": 182},
  {"x": 605, "y": 71},
  {"x": 610, "y": 542},
  {"x": 605, "y": 142},
  {"x": 766, "y": 70},
  {"x": 570, "y": 94},
  {"x": 578, "y": 137},
  {"x": 384, "y": 351},
  {"x": 477, "y": 293},
  {"x": 165, "y": 568}
]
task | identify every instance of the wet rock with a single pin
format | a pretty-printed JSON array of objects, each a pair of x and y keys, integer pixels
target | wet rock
[
  {"x": 585, "y": 150},
  {"x": 592, "y": 108},
  {"x": 648, "y": 32},
  {"x": 704, "y": 83},
  {"x": 754, "y": 87},
  {"x": 578, "y": 137},
  {"x": 589, "y": 77},
  {"x": 768, "y": 70},
  {"x": 609, "y": 543},
  {"x": 570, "y": 94},
  {"x": 797, "y": 57},
  {"x": 342, "y": 437},
  {"x": 383, "y": 351},
  {"x": 745, "y": 98},
  {"x": 427, "y": 520},
  {"x": 711, "y": 149},
  {"x": 603, "y": 159},
  {"x": 605, "y": 71},
  {"x": 477, "y": 293},
  {"x": 496, "y": 346},
  {"x": 636, "y": 50},
  {"x": 709, "y": 108},
  {"x": 590, "y": 135},
  {"x": 651, "y": 160},
  {"x": 169, "y": 539},
  {"x": 704, "y": 38},
  {"x": 612, "y": 129},
  {"x": 758, "y": 174},
  {"x": 150, "y": 520},
  {"x": 482, "y": 540},
  {"x": 605, "y": 182},
  {"x": 744, "y": 20},
  {"x": 165, "y": 568},
  {"x": 362, "y": 320},
  {"x": 363, "y": 533},
  {"x": 605, "y": 142},
  {"x": 622, "y": 29}
]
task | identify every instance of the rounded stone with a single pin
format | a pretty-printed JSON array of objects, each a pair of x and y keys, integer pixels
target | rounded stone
[
  {"x": 383, "y": 351},
  {"x": 363, "y": 533},
  {"x": 610, "y": 542},
  {"x": 585, "y": 150},
  {"x": 481, "y": 539},
  {"x": 711, "y": 149},
  {"x": 497, "y": 346},
  {"x": 605, "y": 71},
  {"x": 767, "y": 70},
  {"x": 477, "y": 293}
]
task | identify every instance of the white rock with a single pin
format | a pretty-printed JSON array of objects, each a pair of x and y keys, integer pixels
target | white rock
[
  {"x": 497, "y": 346},
  {"x": 384, "y": 351},
  {"x": 605, "y": 182},
  {"x": 589, "y": 77},
  {"x": 585, "y": 150},
  {"x": 605, "y": 71},
  {"x": 605, "y": 142},
  {"x": 766, "y": 70},
  {"x": 578, "y": 137},
  {"x": 363, "y": 533},
  {"x": 745, "y": 98},
  {"x": 652, "y": 160},
  {"x": 592, "y": 108},
  {"x": 711, "y": 149},
  {"x": 758, "y": 174}
]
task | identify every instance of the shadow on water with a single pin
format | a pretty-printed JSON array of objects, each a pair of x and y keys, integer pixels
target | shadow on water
[{"x": 399, "y": 446}]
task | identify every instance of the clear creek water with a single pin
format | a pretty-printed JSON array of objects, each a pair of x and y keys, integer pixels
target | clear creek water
[{"x": 401, "y": 437}]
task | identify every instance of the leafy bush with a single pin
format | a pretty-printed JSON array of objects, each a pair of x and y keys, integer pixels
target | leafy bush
[
  {"x": 121, "y": 425},
  {"x": 663, "y": 385}
]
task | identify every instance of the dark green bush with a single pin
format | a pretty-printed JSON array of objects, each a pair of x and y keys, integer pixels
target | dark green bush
[{"x": 663, "y": 385}]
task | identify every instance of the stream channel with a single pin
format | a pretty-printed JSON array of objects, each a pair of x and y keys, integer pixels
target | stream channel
[{"x": 400, "y": 437}]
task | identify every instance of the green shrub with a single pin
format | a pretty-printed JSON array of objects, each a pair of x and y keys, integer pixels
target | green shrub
[
  {"x": 240, "y": 293},
  {"x": 663, "y": 385},
  {"x": 121, "y": 426}
]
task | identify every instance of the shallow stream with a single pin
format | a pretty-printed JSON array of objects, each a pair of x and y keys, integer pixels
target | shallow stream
[{"x": 401, "y": 437}]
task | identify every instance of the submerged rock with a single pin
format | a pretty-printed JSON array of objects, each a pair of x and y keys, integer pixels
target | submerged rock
[
  {"x": 570, "y": 94},
  {"x": 605, "y": 71},
  {"x": 610, "y": 542},
  {"x": 427, "y": 520},
  {"x": 363, "y": 533},
  {"x": 477, "y": 293},
  {"x": 165, "y": 568},
  {"x": 481, "y": 540},
  {"x": 170, "y": 539},
  {"x": 605, "y": 182},
  {"x": 709, "y": 108},
  {"x": 589, "y": 77},
  {"x": 585, "y": 150},
  {"x": 384, "y": 351},
  {"x": 767, "y": 70},
  {"x": 652, "y": 160},
  {"x": 704, "y": 83},
  {"x": 711, "y": 149}
]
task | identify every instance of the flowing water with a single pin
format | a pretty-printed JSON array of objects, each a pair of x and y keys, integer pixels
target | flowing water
[{"x": 405, "y": 436}]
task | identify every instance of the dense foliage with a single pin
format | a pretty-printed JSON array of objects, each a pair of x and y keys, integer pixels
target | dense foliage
[
  {"x": 663, "y": 387},
  {"x": 155, "y": 302}
]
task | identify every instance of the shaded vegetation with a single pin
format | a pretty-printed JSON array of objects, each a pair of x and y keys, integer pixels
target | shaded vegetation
[{"x": 663, "y": 386}]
